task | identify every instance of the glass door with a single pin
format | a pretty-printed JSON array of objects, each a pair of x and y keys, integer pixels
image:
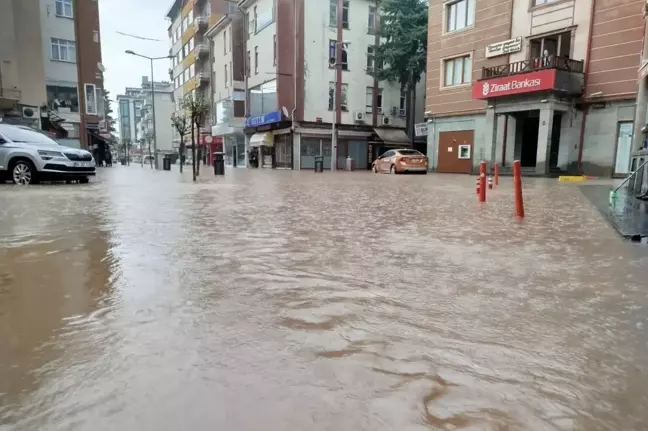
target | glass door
[{"x": 623, "y": 149}]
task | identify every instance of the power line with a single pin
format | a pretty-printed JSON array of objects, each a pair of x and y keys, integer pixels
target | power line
[{"x": 138, "y": 37}]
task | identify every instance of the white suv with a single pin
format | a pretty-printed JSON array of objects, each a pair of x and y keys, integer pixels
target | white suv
[{"x": 27, "y": 156}]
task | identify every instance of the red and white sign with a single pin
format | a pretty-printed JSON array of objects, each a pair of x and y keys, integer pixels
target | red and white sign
[{"x": 514, "y": 84}]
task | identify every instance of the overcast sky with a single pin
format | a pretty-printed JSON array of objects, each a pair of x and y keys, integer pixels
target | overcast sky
[{"x": 144, "y": 18}]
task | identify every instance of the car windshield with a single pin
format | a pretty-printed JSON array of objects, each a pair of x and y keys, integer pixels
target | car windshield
[
  {"x": 24, "y": 135},
  {"x": 409, "y": 153}
]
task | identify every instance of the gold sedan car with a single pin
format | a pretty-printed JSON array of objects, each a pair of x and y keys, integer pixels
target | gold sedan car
[{"x": 401, "y": 161}]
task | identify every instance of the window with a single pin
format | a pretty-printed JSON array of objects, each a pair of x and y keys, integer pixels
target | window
[
  {"x": 192, "y": 71},
  {"x": 555, "y": 45},
  {"x": 255, "y": 19},
  {"x": 250, "y": 23},
  {"x": 63, "y": 50},
  {"x": 263, "y": 19},
  {"x": 369, "y": 100},
  {"x": 457, "y": 71},
  {"x": 401, "y": 105},
  {"x": 90, "y": 99},
  {"x": 263, "y": 98},
  {"x": 333, "y": 13},
  {"x": 231, "y": 73},
  {"x": 256, "y": 60},
  {"x": 226, "y": 80},
  {"x": 464, "y": 152},
  {"x": 225, "y": 42},
  {"x": 333, "y": 55},
  {"x": 274, "y": 49},
  {"x": 64, "y": 8},
  {"x": 371, "y": 22},
  {"x": 62, "y": 98},
  {"x": 190, "y": 45},
  {"x": 248, "y": 66},
  {"x": 460, "y": 14},
  {"x": 331, "y": 99},
  {"x": 371, "y": 58}
]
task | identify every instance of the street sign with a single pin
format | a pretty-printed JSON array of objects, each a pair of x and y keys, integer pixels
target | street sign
[{"x": 420, "y": 129}]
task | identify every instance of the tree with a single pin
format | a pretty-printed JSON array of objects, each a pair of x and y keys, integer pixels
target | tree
[
  {"x": 108, "y": 110},
  {"x": 181, "y": 124},
  {"x": 198, "y": 108},
  {"x": 402, "y": 56}
]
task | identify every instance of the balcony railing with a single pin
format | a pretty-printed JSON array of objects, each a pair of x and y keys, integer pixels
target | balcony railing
[
  {"x": 201, "y": 22},
  {"x": 202, "y": 49},
  {"x": 533, "y": 65}
]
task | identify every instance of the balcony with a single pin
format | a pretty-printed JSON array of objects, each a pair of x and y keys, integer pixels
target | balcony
[
  {"x": 202, "y": 49},
  {"x": 201, "y": 23},
  {"x": 202, "y": 77},
  {"x": 526, "y": 76}
]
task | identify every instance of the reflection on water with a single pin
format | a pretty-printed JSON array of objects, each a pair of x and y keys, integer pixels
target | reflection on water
[{"x": 293, "y": 301}]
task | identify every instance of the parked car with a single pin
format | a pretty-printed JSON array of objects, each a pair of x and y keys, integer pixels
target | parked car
[
  {"x": 401, "y": 161},
  {"x": 28, "y": 156}
]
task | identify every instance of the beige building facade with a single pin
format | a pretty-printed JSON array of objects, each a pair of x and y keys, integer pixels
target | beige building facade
[
  {"x": 549, "y": 83},
  {"x": 22, "y": 71}
]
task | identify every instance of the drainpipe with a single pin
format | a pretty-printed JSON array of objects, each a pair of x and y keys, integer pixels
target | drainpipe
[
  {"x": 245, "y": 82},
  {"x": 586, "y": 73},
  {"x": 295, "y": 34}
]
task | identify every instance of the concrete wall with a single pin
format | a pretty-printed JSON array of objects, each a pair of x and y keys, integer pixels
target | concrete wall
[
  {"x": 52, "y": 26},
  {"x": 163, "y": 128},
  {"x": 599, "y": 150},
  {"x": 220, "y": 88}
]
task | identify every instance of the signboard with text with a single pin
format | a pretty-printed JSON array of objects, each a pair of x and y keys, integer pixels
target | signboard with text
[
  {"x": 514, "y": 84},
  {"x": 504, "y": 47},
  {"x": 262, "y": 120}
]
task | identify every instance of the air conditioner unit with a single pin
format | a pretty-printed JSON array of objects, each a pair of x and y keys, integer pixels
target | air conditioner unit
[
  {"x": 30, "y": 112},
  {"x": 386, "y": 121},
  {"x": 358, "y": 116},
  {"x": 401, "y": 112},
  {"x": 379, "y": 109}
]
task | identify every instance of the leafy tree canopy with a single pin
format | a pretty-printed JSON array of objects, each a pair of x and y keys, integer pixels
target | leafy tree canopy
[{"x": 402, "y": 55}]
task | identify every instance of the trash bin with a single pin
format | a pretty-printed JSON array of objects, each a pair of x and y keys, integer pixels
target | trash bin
[
  {"x": 166, "y": 163},
  {"x": 123, "y": 161},
  {"x": 319, "y": 164},
  {"x": 349, "y": 164},
  {"x": 219, "y": 164}
]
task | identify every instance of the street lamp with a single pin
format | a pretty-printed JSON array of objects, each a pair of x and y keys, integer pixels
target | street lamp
[
  {"x": 151, "y": 59},
  {"x": 338, "y": 54}
]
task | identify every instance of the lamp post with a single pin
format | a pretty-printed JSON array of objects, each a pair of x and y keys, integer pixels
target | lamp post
[{"x": 151, "y": 59}]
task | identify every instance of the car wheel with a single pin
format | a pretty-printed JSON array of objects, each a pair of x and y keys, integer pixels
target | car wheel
[
  {"x": 23, "y": 173},
  {"x": 84, "y": 180},
  {"x": 392, "y": 170}
]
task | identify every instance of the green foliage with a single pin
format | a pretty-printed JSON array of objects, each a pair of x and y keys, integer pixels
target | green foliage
[
  {"x": 402, "y": 56},
  {"x": 108, "y": 110},
  {"x": 180, "y": 123}
]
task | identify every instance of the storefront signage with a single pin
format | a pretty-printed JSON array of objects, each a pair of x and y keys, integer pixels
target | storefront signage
[
  {"x": 262, "y": 120},
  {"x": 420, "y": 129},
  {"x": 514, "y": 84},
  {"x": 504, "y": 47}
]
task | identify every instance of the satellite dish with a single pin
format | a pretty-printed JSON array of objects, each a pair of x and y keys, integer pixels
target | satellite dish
[
  {"x": 285, "y": 112},
  {"x": 101, "y": 67}
]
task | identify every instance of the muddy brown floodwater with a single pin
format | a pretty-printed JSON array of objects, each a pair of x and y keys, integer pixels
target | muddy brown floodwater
[{"x": 280, "y": 300}]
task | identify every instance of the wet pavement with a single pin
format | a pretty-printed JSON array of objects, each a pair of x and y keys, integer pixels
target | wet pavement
[{"x": 280, "y": 300}]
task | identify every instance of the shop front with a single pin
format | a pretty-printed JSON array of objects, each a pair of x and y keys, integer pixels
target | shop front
[
  {"x": 231, "y": 139},
  {"x": 270, "y": 140}
]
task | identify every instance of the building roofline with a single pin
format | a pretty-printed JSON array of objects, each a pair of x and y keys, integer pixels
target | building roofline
[
  {"x": 175, "y": 7},
  {"x": 216, "y": 28}
]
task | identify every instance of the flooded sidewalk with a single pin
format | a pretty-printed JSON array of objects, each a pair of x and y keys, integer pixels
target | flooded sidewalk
[{"x": 285, "y": 300}]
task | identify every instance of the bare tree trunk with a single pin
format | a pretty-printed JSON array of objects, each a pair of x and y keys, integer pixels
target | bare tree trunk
[
  {"x": 193, "y": 149},
  {"x": 181, "y": 152},
  {"x": 199, "y": 159},
  {"x": 150, "y": 156},
  {"x": 411, "y": 108}
]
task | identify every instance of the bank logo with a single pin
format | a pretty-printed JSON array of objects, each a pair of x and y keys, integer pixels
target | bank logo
[{"x": 485, "y": 89}]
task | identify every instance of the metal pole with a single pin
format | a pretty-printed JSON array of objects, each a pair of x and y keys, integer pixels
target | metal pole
[
  {"x": 517, "y": 187},
  {"x": 153, "y": 109},
  {"x": 333, "y": 131}
]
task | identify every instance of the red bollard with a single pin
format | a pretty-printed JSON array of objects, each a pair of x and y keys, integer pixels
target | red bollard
[
  {"x": 482, "y": 181},
  {"x": 490, "y": 182},
  {"x": 517, "y": 186},
  {"x": 496, "y": 175},
  {"x": 477, "y": 185}
]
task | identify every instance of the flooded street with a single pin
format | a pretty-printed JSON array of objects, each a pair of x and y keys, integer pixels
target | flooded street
[{"x": 281, "y": 300}]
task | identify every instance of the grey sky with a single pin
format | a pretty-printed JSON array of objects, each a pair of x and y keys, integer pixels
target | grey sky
[{"x": 145, "y": 18}]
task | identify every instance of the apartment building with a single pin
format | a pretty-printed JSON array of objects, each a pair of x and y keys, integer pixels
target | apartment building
[
  {"x": 309, "y": 68},
  {"x": 190, "y": 63},
  {"x": 551, "y": 83},
  {"x": 129, "y": 113},
  {"x": 228, "y": 88},
  {"x": 22, "y": 73},
  {"x": 164, "y": 108}
]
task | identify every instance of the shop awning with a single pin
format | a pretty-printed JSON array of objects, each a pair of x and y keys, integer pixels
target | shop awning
[
  {"x": 392, "y": 136},
  {"x": 262, "y": 140}
]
